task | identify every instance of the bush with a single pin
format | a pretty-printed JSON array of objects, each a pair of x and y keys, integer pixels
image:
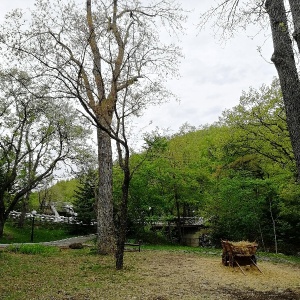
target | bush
[{"x": 148, "y": 236}]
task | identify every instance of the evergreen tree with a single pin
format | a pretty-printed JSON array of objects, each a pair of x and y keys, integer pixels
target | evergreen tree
[{"x": 84, "y": 204}]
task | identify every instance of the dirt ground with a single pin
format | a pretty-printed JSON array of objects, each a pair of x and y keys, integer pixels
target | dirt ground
[{"x": 175, "y": 276}]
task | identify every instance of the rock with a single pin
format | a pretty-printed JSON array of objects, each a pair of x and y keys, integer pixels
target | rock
[{"x": 76, "y": 246}]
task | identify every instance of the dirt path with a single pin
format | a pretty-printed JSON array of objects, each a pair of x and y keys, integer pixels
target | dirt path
[{"x": 69, "y": 241}]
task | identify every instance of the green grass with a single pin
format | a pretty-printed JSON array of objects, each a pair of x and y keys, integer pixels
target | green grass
[
  {"x": 263, "y": 256},
  {"x": 33, "y": 249},
  {"x": 278, "y": 258},
  {"x": 57, "y": 276},
  {"x": 188, "y": 249},
  {"x": 42, "y": 233}
]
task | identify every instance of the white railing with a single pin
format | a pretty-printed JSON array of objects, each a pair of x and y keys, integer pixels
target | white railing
[
  {"x": 194, "y": 221},
  {"x": 43, "y": 217}
]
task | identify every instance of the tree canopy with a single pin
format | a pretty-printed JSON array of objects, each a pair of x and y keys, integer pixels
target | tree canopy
[
  {"x": 239, "y": 174},
  {"x": 282, "y": 17},
  {"x": 110, "y": 58},
  {"x": 37, "y": 137}
]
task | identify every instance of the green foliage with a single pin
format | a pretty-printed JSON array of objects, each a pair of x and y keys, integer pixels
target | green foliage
[
  {"x": 289, "y": 215},
  {"x": 258, "y": 126},
  {"x": 64, "y": 190},
  {"x": 167, "y": 178},
  {"x": 43, "y": 232},
  {"x": 239, "y": 174},
  {"x": 84, "y": 203},
  {"x": 240, "y": 210},
  {"x": 38, "y": 135},
  {"x": 261, "y": 150}
]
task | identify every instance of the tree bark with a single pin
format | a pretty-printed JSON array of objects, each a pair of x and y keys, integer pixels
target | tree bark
[
  {"x": 122, "y": 228},
  {"x": 105, "y": 225},
  {"x": 295, "y": 9},
  {"x": 274, "y": 226},
  {"x": 2, "y": 216},
  {"x": 179, "y": 227},
  {"x": 284, "y": 60},
  {"x": 24, "y": 209},
  {"x": 103, "y": 109},
  {"x": 1, "y": 227}
]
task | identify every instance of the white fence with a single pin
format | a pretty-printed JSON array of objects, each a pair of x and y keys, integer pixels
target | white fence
[{"x": 44, "y": 218}]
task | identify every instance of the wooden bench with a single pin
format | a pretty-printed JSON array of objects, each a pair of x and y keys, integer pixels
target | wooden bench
[{"x": 137, "y": 245}]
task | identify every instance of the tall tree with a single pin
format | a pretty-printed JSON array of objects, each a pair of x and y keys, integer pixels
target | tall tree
[
  {"x": 36, "y": 138},
  {"x": 232, "y": 14},
  {"x": 284, "y": 60},
  {"x": 261, "y": 152},
  {"x": 110, "y": 58},
  {"x": 170, "y": 181}
]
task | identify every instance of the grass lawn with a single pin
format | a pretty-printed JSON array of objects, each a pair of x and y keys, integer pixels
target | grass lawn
[
  {"x": 155, "y": 273},
  {"x": 43, "y": 232},
  {"x": 36, "y": 272}
]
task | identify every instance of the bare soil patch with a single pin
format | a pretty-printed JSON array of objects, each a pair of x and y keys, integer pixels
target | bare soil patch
[{"x": 190, "y": 276}]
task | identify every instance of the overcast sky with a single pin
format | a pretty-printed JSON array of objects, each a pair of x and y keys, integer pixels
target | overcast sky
[{"x": 213, "y": 75}]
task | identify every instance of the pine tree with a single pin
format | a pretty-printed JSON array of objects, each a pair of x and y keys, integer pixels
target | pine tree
[{"x": 84, "y": 204}]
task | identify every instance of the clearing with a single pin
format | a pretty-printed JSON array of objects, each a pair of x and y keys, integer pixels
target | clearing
[{"x": 148, "y": 275}]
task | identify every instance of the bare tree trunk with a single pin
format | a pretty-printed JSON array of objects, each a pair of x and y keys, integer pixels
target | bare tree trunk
[
  {"x": 2, "y": 217},
  {"x": 295, "y": 9},
  {"x": 284, "y": 60},
  {"x": 179, "y": 228},
  {"x": 274, "y": 226},
  {"x": 122, "y": 228},
  {"x": 1, "y": 227},
  {"x": 262, "y": 238},
  {"x": 24, "y": 210},
  {"x": 105, "y": 226},
  {"x": 43, "y": 196},
  {"x": 3, "y": 213}
]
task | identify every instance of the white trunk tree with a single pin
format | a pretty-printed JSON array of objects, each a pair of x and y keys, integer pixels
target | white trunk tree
[
  {"x": 110, "y": 57},
  {"x": 37, "y": 135}
]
